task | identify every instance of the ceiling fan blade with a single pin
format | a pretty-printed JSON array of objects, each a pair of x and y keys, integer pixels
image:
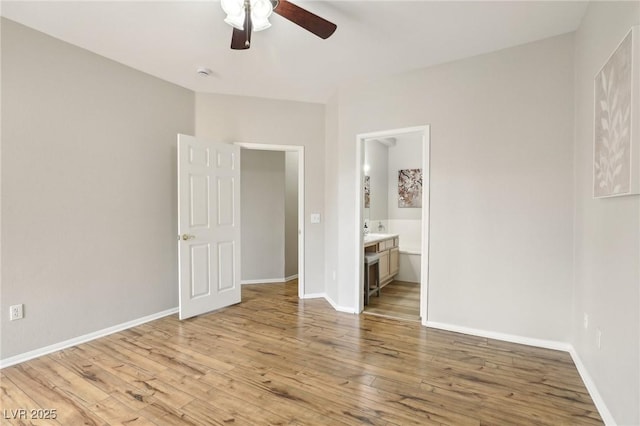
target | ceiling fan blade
[
  {"x": 307, "y": 20},
  {"x": 241, "y": 39}
]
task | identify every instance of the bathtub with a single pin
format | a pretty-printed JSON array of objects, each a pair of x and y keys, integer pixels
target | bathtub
[{"x": 410, "y": 264}]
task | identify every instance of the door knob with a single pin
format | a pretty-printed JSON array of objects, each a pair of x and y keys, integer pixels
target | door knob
[{"x": 186, "y": 237}]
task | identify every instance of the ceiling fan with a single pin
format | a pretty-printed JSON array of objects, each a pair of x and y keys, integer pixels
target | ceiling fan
[{"x": 246, "y": 16}]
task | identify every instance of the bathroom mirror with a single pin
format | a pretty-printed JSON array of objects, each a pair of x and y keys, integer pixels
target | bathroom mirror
[{"x": 375, "y": 169}]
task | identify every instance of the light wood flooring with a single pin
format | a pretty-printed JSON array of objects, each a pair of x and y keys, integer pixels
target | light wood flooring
[
  {"x": 275, "y": 359},
  {"x": 398, "y": 299}
]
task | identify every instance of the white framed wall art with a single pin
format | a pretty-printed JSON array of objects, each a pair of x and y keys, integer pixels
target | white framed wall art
[{"x": 616, "y": 133}]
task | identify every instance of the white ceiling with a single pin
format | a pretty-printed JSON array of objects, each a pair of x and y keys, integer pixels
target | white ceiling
[{"x": 171, "y": 39}]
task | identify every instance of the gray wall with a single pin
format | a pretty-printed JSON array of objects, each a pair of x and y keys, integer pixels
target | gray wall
[
  {"x": 607, "y": 234},
  {"x": 262, "y": 193},
  {"x": 245, "y": 119},
  {"x": 89, "y": 218},
  {"x": 291, "y": 214},
  {"x": 501, "y": 184}
]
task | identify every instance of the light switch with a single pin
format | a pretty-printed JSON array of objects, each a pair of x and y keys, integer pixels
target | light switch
[{"x": 315, "y": 217}]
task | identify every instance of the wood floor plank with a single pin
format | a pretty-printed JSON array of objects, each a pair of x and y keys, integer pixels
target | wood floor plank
[
  {"x": 13, "y": 401},
  {"x": 115, "y": 412},
  {"x": 45, "y": 394},
  {"x": 276, "y": 359},
  {"x": 68, "y": 382},
  {"x": 217, "y": 410},
  {"x": 272, "y": 399},
  {"x": 398, "y": 299}
]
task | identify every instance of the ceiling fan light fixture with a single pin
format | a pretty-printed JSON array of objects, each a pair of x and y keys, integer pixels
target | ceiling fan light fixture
[
  {"x": 232, "y": 7},
  {"x": 259, "y": 24},
  {"x": 261, "y": 10},
  {"x": 236, "y": 21},
  {"x": 235, "y": 10}
]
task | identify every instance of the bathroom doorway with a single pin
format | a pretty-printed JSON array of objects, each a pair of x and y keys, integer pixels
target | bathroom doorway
[{"x": 393, "y": 217}]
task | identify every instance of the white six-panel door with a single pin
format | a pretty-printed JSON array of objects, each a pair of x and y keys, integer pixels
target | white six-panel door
[{"x": 208, "y": 225}]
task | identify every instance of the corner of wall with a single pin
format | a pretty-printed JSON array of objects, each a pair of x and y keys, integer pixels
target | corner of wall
[
  {"x": 599, "y": 402},
  {"x": 331, "y": 261}
]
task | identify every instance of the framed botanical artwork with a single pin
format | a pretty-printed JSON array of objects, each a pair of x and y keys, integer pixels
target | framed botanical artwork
[
  {"x": 616, "y": 133},
  {"x": 410, "y": 188}
]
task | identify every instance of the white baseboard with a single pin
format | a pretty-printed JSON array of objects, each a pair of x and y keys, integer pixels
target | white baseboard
[
  {"x": 17, "y": 359},
  {"x": 540, "y": 343},
  {"x": 339, "y": 308},
  {"x": 593, "y": 390},
  {"x": 263, "y": 281},
  {"x": 269, "y": 280},
  {"x": 314, "y": 296}
]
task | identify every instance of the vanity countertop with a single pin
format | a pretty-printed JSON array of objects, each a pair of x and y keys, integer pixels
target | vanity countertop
[{"x": 376, "y": 238}]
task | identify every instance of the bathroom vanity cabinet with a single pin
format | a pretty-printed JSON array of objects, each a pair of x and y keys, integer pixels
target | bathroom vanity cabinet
[{"x": 386, "y": 245}]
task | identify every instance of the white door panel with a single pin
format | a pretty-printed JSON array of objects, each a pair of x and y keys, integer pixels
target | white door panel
[{"x": 209, "y": 225}]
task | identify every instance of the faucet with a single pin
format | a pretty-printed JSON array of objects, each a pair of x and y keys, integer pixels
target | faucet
[
  {"x": 366, "y": 229},
  {"x": 380, "y": 227}
]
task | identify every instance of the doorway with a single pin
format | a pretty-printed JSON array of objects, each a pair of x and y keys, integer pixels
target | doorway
[
  {"x": 389, "y": 177},
  {"x": 294, "y": 156}
]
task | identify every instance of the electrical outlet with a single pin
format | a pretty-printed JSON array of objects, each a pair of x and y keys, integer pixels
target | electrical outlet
[
  {"x": 15, "y": 312},
  {"x": 598, "y": 338},
  {"x": 586, "y": 321}
]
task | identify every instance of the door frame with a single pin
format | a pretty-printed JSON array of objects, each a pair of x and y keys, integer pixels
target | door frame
[
  {"x": 359, "y": 210},
  {"x": 300, "y": 150}
]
